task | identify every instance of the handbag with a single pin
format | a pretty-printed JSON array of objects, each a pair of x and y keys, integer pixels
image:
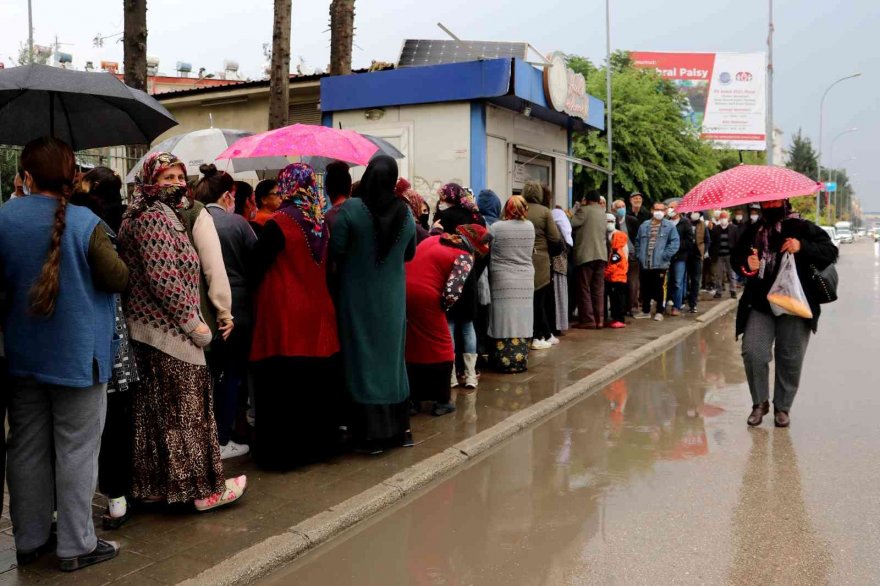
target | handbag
[{"x": 823, "y": 284}]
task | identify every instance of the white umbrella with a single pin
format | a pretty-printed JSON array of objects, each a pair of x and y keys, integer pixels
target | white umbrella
[{"x": 202, "y": 146}]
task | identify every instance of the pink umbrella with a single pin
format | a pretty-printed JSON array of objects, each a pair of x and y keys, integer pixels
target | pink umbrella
[
  {"x": 304, "y": 140},
  {"x": 747, "y": 184}
]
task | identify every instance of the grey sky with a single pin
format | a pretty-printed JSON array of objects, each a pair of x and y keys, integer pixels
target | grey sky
[{"x": 816, "y": 43}]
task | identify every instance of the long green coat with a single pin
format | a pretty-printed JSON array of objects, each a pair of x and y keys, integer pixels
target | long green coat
[{"x": 371, "y": 306}]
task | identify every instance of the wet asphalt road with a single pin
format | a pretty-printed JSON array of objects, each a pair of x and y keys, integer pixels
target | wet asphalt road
[{"x": 656, "y": 479}]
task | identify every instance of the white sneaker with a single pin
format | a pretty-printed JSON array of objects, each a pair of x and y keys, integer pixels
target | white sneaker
[
  {"x": 540, "y": 344},
  {"x": 117, "y": 507},
  {"x": 658, "y": 317},
  {"x": 642, "y": 315},
  {"x": 233, "y": 450},
  {"x": 554, "y": 341}
]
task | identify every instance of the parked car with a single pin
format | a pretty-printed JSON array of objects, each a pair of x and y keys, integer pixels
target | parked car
[
  {"x": 845, "y": 235},
  {"x": 832, "y": 232}
]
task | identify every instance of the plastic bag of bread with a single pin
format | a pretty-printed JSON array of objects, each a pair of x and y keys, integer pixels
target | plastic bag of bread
[{"x": 787, "y": 296}]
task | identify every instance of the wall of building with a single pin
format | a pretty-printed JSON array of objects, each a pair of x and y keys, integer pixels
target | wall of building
[
  {"x": 506, "y": 128},
  {"x": 435, "y": 138}
]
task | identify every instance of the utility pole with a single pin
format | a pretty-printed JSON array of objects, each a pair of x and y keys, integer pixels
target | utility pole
[
  {"x": 30, "y": 34},
  {"x": 279, "y": 81},
  {"x": 770, "y": 137},
  {"x": 610, "y": 195}
]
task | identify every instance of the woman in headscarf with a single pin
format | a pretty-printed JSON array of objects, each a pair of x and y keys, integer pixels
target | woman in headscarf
[
  {"x": 374, "y": 235},
  {"x": 456, "y": 207},
  {"x": 435, "y": 282},
  {"x": 297, "y": 417},
  {"x": 512, "y": 276},
  {"x": 419, "y": 210},
  {"x": 757, "y": 257},
  {"x": 176, "y": 455},
  {"x": 547, "y": 241},
  {"x": 490, "y": 206}
]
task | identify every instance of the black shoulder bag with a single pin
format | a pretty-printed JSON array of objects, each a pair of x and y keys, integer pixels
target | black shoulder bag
[{"x": 824, "y": 283}]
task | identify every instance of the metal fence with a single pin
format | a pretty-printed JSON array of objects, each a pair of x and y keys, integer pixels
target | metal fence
[{"x": 121, "y": 159}]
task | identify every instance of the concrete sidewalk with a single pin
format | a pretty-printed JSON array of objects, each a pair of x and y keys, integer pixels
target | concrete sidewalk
[{"x": 284, "y": 514}]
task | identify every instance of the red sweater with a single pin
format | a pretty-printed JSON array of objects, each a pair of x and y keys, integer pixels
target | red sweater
[
  {"x": 434, "y": 279},
  {"x": 294, "y": 312}
]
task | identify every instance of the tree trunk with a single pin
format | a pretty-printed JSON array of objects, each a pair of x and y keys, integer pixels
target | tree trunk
[
  {"x": 134, "y": 42},
  {"x": 279, "y": 93},
  {"x": 341, "y": 36}
]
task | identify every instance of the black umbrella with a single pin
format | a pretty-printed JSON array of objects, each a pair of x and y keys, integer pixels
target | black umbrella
[{"x": 84, "y": 109}]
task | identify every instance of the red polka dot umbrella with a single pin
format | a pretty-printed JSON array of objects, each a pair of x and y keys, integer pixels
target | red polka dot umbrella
[{"x": 747, "y": 184}]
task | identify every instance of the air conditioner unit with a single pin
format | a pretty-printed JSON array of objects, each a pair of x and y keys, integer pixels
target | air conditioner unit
[
  {"x": 152, "y": 65},
  {"x": 184, "y": 68},
  {"x": 230, "y": 65},
  {"x": 110, "y": 66}
]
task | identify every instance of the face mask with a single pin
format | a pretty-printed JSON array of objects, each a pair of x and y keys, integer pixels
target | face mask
[
  {"x": 658, "y": 215},
  {"x": 670, "y": 212},
  {"x": 716, "y": 215},
  {"x": 738, "y": 218},
  {"x": 621, "y": 212},
  {"x": 443, "y": 206},
  {"x": 172, "y": 195},
  {"x": 724, "y": 222},
  {"x": 695, "y": 216},
  {"x": 754, "y": 218},
  {"x": 609, "y": 226},
  {"x": 423, "y": 220},
  {"x": 25, "y": 189}
]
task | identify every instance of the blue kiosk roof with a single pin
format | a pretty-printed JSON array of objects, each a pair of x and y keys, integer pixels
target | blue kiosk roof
[{"x": 488, "y": 80}]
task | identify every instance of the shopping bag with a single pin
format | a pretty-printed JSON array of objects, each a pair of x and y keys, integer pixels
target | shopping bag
[{"x": 787, "y": 296}]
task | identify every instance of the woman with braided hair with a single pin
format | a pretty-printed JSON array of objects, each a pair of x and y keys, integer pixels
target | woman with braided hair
[{"x": 59, "y": 273}]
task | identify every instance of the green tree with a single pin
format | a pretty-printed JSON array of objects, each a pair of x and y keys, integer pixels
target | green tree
[
  {"x": 24, "y": 57},
  {"x": 802, "y": 157},
  {"x": 655, "y": 151}
]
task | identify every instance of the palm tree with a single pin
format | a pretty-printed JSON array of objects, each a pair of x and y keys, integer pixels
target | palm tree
[
  {"x": 279, "y": 79},
  {"x": 341, "y": 36},
  {"x": 134, "y": 43}
]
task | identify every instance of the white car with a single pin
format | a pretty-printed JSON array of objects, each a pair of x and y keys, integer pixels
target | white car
[
  {"x": 832, "y": 232},
  {"x": 845, "y": 235}
]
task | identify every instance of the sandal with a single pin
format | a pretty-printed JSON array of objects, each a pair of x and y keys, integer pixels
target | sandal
[{"x": 235, "y": 489}]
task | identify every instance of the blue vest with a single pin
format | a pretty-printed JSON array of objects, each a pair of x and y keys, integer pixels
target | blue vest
[{"x": 73, "y": 346}]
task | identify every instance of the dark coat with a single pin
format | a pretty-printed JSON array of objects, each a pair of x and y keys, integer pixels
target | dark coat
[
  {"x": 715, "y": 244},
  {"x": 686, "y": 240},
  {"x": 816, "y": 249}
]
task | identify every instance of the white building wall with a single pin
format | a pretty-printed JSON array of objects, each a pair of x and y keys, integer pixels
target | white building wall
[{"x": 434, "y": 137}]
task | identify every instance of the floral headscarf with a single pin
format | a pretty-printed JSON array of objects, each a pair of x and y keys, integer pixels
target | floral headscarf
[
  {"x": 147, "y": 192},
  {"x": 477, "y": 236},
  {"x": 414, "y": 202},
  {"x": 303, "y": 203},
  {"x": 516, "y": 208},
  {"x": 454, "y": 194}
]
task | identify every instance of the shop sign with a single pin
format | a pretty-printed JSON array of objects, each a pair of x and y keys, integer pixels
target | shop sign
[{"x": 565, "y": 89}]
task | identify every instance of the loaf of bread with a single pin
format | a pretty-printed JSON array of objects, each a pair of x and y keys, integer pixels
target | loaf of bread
[{"x": 791, "y": 305}]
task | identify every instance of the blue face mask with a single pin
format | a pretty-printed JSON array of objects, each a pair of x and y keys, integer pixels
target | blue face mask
[{"x": 620, "y": 212}]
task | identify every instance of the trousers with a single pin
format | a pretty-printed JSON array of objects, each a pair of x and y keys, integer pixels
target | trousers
[
  {"x": 677, "y": 282},
  {"x": 632, "y": 284},
  {"x": 694, "y": 280},
  {"x": 652, "y": 289},
  {"x": 791, "y": 335},
  {"x": 617, "y": 300},
  {"x": 73, "y": 419},
  {"x": 468, "y": 335},
  {"x": 723, "y": 268},
  {"x": 591, "y": 300},
  {"x": 542, "y": 328}
]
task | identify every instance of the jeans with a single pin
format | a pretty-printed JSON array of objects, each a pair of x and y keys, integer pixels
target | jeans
[
  {"x": 677, "y": 280},
  {"x": 229, "y": 363},
  {"x": 694, "y": 280},
  {"x": 69, "y": 421},
  {"x": 468, "y": 334}
]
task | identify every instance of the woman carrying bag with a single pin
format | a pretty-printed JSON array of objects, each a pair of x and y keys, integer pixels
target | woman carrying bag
[{"x": 758, "y": 257}]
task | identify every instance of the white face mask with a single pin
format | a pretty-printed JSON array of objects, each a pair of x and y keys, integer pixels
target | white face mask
[
  {"x": 25, "y": 189},
  {"x": 724, "y": 222},
  {"x": 695, "y": 216},
  {"x": 670, "y": 212},
  {"x": 658, "y": 215},
  {"x": 716, "y": 215},
  {"x": 609, "y": 226},
  {"x": 754, "y": 218},
  {"x": 738, "y": 218}
]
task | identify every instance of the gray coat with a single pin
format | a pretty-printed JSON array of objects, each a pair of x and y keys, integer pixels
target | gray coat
[
  {"x": 511, "y": 279},
  {"x": 237, "y": 242},
  {"x": 590, "y": 234}
]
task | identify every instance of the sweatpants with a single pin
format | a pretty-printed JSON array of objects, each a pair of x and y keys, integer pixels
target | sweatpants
[
  {"x": 73, "y": 418},
  {"x": 617, "y": 300},
  {"x": 652, "y": 289},
  {"x": 791, "y": 334}
]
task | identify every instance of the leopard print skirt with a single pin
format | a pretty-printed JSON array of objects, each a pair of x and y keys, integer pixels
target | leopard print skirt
[{"x": 176, "y": 453}]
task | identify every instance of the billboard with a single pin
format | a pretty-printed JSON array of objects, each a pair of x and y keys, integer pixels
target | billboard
[{"x": 725, "y": 93}]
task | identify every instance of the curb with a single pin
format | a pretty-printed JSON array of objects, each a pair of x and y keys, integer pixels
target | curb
[{"x": 259, "y": 560}]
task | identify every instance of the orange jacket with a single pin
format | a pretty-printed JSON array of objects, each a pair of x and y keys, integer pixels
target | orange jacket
[{"x": 615, "y": 272}]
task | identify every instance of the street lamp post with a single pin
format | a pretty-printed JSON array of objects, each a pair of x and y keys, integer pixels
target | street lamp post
[
  {"x": 821, "y": 120},
  {"x": 831, "y": 161},
  {"x": 838, "y": 195},
  {"x": 610, "y": 197},
  {"x": 30, "y": 34}
]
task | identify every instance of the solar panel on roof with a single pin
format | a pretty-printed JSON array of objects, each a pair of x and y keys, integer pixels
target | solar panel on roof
[{"x": 416, "y": 52}]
